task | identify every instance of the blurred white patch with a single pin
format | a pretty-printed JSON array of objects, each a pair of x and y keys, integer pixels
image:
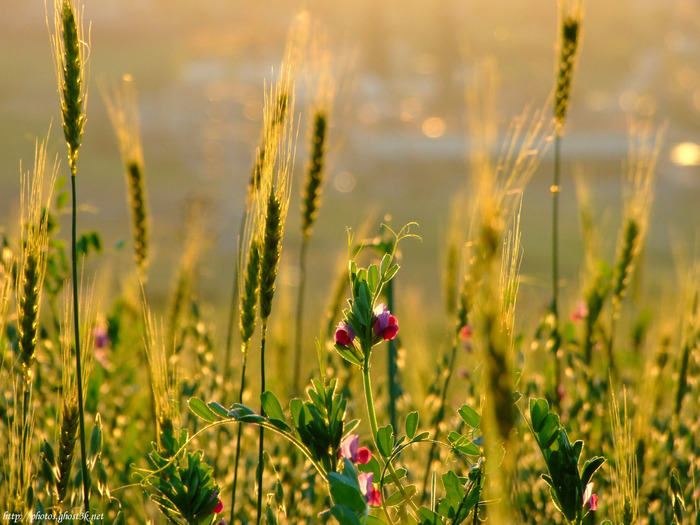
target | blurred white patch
[{"x": 686, "y": 154}]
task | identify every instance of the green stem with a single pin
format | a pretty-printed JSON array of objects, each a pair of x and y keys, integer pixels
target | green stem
[
  {"x": 299, "y": 319},
  {"x": 261, "y": 438},
  {"x": 369, "y": 400},
  {"x": 238, "y": 438},
  {"x": 76, "y": 330},
  {"x": 439, "y": 417}
]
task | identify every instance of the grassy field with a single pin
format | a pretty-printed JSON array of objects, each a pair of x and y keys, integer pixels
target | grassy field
[{"x": 608, "y": 357}]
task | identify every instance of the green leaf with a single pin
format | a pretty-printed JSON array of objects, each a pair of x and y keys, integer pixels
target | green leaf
[
  {"x": 539, "y": 408},
  {"x": 428, "y": 517},
  {"x": 386, "y": 261},
  {"x": 95, "y": 442},
  {"x": 272, "y": 406},
  {"x": 470, "y": 416},
  {"x": 589, "y": 468},
  {"x": 411, "y": 424},
  {"x": 397, "y": 498},
  {"x": 421, "y": 436},
  {"x": 549, "y": 432},
  {"x": 373, "y": 277},
  {"x": 385, "y": 440},
  {"x": 218, "y": 409},
  {"x": 342, "y": 490},
  {"x": 390, "y": 274},
  {"x": 348, "y": 354},
  {"x": 62, "y": 200},
  {"x": 344, "y": 515},
  {"x": 453, "y": 486},
  {"x": 201, "y": 409}
]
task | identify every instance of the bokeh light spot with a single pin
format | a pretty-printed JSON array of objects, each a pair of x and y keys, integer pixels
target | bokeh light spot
[
  {"x": 434, "y": 127},
  {"x": 686, "y": 154},
  {"x": 344, "y": 182}
]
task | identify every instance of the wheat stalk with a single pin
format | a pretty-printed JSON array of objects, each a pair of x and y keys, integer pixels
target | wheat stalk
[{"x": 122, "y": 106}]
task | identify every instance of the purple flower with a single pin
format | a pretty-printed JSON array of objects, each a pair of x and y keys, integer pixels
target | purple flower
[
  {"x": 101, "y": 337},
  {"x": 386, "y": 326},
  {"x": 344, "y": 334}
]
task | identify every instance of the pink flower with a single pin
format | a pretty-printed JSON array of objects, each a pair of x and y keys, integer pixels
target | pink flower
[
  {"x": 590, "y": 500},
  {"x": 349, "y": 449},
  {"x": 372, "y": 495},
  {"x": 344, "y": 334},
  {"x": 386, "y": 326},
  {"x": 465, "y": 333},
  {"x": 580, "y": 312}
]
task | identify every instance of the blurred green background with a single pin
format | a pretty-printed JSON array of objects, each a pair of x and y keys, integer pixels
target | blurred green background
[{"x": 399, "y": 137}]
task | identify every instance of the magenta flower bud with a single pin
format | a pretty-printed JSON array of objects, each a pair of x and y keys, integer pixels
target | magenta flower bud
[
  {"x": 386, "y": 326},
  {"x": 363, "y": 455},
  {"x": 344, "y": 334},
  {"x": 590, "y": 500},
  {"x": 219, "y": 507}
]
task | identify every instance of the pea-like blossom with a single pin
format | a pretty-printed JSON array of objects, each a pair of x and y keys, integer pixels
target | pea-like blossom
[
  {"x": 344, "y": 334},
  {"x": 590, "y": 500},
  {"x": 351, "y": 450},
  {"x": 386, "y": 325},
  {"x": 219, "y": 504},
  {"x": 580, "y": 311},
  {"x": 372, "y": 495}
]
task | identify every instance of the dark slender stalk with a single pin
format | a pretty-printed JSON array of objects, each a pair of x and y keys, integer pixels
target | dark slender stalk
[
  {"x": 76, "y": 330},
  {"x": 238, "y": 438},
  {"x": 262, "y": 430},
  {"x": 232, "y": 309},
  {"x": 300, "y": 319},
  {"x": 555, "y": 260},
  {"x": 392, "y": 366}
]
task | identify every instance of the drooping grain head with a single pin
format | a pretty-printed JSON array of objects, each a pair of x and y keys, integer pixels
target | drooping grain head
[
  {"x": 122, "y": 106},
  {"x": 568, "y": 45},
  {"x": 70, "y": 58}
]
